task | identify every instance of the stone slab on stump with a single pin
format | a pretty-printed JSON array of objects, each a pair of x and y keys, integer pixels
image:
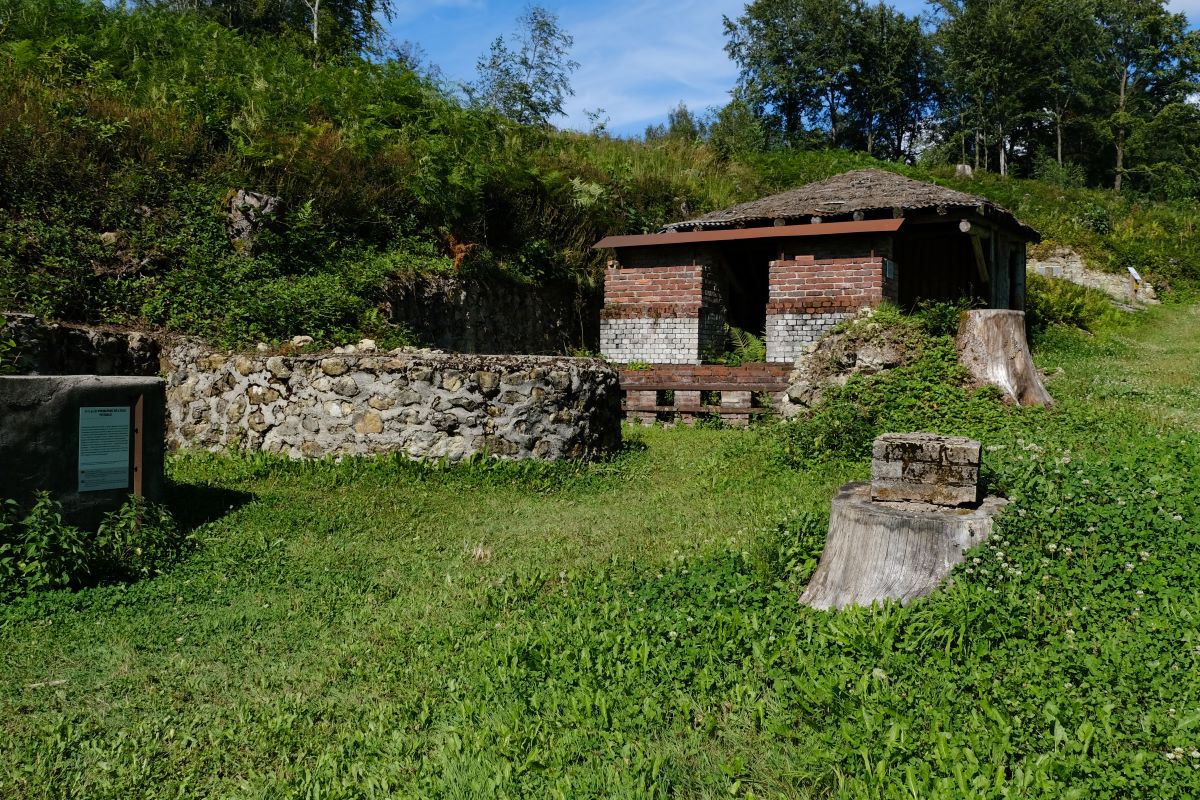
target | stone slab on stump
[
  {"x": 925, "y": 468},
  {"x": 899, "y": 536}
]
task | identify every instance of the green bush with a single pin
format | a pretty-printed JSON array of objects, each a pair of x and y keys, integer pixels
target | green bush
[
  {"x": 1052, "y": 301},
  {"x": 941, "y": 318},
  {"x": 40, "y": 551},
  {"x": 741, "y": 347},
  {"x": 7, "y": 363},
  {"x": 138, "y": 540},
  {"x": 929, "y": 394}
]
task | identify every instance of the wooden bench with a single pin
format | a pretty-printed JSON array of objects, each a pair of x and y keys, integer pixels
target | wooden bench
[{"x": 676, "y": 392}]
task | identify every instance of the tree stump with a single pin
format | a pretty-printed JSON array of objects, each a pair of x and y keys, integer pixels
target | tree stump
[
  {"x": 992, "y": 345},
  {"x": 892, "y": 551}
]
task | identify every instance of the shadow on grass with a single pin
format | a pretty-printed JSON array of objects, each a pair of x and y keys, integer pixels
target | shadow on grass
[{"x": 195, "y": 504}]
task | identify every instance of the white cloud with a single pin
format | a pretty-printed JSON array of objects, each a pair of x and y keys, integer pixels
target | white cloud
[
  {"x": 1189, "y": 7},
  {"x": 640, "y": 58}
]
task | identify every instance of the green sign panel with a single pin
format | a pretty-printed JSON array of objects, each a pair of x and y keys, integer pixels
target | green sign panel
[{"x": 103, "y": 448}]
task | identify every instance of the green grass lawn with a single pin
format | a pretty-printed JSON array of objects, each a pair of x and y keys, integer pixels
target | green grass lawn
[{"x": 631, "y": 628}]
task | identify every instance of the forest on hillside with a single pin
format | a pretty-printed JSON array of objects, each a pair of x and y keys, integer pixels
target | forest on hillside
[{"x": 126, "y": 130}]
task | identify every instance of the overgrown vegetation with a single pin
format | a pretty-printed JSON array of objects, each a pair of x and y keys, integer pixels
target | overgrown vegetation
[
  {"x": 123, "y": 134},
  {"x": 7, "y": 344},
  {"x": 40, "y": 551},
  {"x": 1051, "y": 301},
  {"x": 630, "y": 628},
  {"x": 929, "y": 391}
]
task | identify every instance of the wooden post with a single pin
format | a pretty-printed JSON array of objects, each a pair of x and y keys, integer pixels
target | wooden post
[{"x": 138, "y": 444}]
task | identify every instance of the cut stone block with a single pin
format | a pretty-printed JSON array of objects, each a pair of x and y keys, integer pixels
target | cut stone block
[
  {"x": 936, "y": 494},
  {"x": 925, "y": 468},
  {"x": 925, "y": 472},
  {"x": 735, "y": 399},
  {"x": 927, "y": 447}
]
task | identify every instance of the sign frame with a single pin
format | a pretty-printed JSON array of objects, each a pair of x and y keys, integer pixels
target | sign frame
[{"x": 106, "y": 449}]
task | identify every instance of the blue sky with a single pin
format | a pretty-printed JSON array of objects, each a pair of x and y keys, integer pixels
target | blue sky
[{"x": 638, "y": 58}]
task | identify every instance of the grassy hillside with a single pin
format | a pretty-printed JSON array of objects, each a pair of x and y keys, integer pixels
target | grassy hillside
[{"x": 124, "y": 134}]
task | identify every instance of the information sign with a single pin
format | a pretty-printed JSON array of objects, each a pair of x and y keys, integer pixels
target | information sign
[{"x": 103, "y": 448}]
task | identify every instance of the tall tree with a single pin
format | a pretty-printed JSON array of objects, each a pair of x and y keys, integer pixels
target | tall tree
[
  {"x": 1065, "y": 55},
  {"x": 796, "y": 59},
  {"x": 682, "y": 125},
  {"x": 985, "y": 47},
  {"x": 1147, "y": 55},
  {"x": 528, "y": 81},
  {"x": 334, "y": 26},
  {"x": 889, "y": 89}
]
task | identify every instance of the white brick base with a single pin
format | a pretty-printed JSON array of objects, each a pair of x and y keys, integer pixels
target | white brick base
[
  {"x": 666, "y": 340},
  {"x": 789, "y": 334}
]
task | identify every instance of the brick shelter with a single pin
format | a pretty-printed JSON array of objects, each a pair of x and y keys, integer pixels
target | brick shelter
[{"x": 793, "y": 265}]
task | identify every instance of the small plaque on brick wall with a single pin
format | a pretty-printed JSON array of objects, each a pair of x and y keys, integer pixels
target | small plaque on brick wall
[{"x": 103, "y": 448}]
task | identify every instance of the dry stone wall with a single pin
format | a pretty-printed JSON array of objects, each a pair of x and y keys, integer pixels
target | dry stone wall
[
  {"x": 426, "y": 405},
  {"x": 495, "y": 315},
  {"x": 1065, "y": 264},
  {"x": 52, "y": 348}
]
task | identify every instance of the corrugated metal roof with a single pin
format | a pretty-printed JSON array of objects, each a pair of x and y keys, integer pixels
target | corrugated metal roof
[
  {"x": 863, "y": 190},
  {"x": 766, "y": 232}
]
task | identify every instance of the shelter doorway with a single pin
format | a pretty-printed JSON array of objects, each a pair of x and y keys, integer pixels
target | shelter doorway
[{"x": 746, "y": 284}]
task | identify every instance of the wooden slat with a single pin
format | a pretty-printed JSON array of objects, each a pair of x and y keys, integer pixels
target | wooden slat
[
  {"x": 677, "y": 386},
  {"x": 691, "y": 409}
]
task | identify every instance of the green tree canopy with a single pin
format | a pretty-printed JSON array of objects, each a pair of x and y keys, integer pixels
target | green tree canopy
[{"x": 529, "y": 79}]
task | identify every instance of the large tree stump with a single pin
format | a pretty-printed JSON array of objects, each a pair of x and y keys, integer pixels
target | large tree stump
[
  {"x": 992, "y": 345},
  {"x": 892, "y": 551}
]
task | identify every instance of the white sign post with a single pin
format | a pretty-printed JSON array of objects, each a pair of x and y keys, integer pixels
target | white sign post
[{"x": 103, "y": 448}]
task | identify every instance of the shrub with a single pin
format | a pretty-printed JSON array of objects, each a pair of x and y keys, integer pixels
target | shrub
[
  {"x": 941, "y": 317},
  {"x": 7, "y": 363},
  {"x": 929, "y": 394},
  {"x": 1052, "y": 301},
  {"x": 40, "y": 551},
  {"x": 138, "y": 540},
  {"x": 741, "y": 347}
]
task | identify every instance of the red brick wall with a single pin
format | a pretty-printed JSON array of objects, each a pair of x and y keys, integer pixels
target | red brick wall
[
  {"x": 652, "y": 285},
  {"x": 815, "y": 286},
  {"x": 659, "y": 292}
]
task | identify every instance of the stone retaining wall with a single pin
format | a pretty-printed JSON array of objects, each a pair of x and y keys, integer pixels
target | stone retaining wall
[
  {"x": 1066, "y": 264},
  {"x": 494, "y": 315},
  {"x": 424, "y": 405},
  {"x": 52, "y": 348}
]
